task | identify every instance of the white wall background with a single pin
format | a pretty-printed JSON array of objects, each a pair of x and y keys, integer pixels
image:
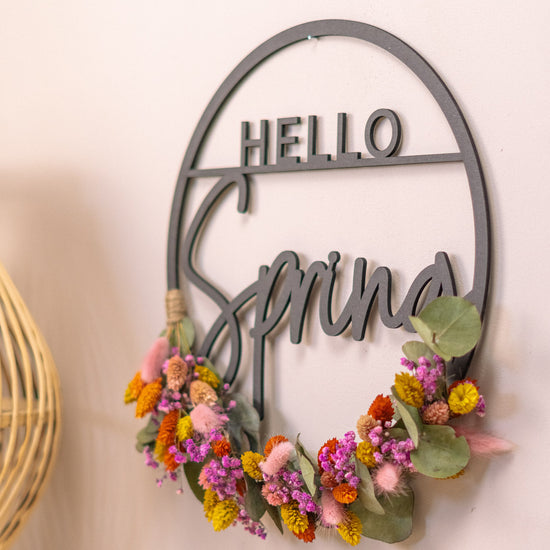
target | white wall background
[{"x": 97, "y": 103}]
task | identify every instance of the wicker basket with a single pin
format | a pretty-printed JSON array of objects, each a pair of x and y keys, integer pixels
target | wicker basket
[{"x": 29, "y": 411}]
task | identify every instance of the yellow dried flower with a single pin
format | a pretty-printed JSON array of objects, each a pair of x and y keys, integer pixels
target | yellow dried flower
[
  {"x": 206, "y": 375},
  {"x": 201, "y": 392},
  {"x": 350, "y": 529},
  {"x": 251, "y": 464},
  {"x": 225, "y": 513},
  {"x": 365, "y": 453},
  {"x": 148, "y": 398},
  {"x": 409, "y": 389},
  {"x": 134, "y": 388},
  {"x": 292, "y": 517},
  {"x": 184, "y": 429},
  {"x": 365, "y": 424},
  {"x": 210, "y": 502},
  {"x": 176, "y": 373},
  {"x": 463, "y": 398},
  {"x": 160, "y": 451}
]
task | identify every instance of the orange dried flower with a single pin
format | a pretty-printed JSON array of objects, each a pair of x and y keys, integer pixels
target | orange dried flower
[
  {"x": 344, "y": 493},
  {"x": 309, "y": 534},
  {"x": 381, "y": 408},
  {"x": 221, "y": 447},
  {"x": 331, "y": 444},
  {"x": 170, "y": 461},
  {"x": 135, "y": 387},
  {"x": 272, "y": 441},
  {"x": 148, "y": 398},
  {"x": 167, "y": 428}
]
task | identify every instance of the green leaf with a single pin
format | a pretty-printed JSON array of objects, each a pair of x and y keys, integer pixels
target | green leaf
[
  {"x": 243, "y": 416},
  {"x": 308, "y": 473},
  {"x": 147, "y": 435},
  {"x": 396, "y": 523},
  {"x": 440, "y": 453},
  {"x": 366, "y": 489},
  {"x": 301, "y": 449},
  {"x": 187, "y": 333},
  {"x": 449, "y": 325},
  {"x": 253, "y": 501},
  {"x": 192, "y": 471},
  {"x": 410, "y": 417},
  {"x": 413, "y": 350},
  {"x": 275, "y": 515}
]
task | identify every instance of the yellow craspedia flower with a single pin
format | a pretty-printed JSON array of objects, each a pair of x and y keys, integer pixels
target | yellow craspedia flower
[
  {"x": 463, "y": 398},
  {"x": 409, "y": 389},
  {"x": 206, "y": 375},
  {"x": 224, "y": 514},
  {"x": 184, "y": 429},
  {"x": 251, "y": 464},
  {"x": 210, "y": 502},
  {"x": 365, "y": 453},
  {"x": 350, "y": 529},
  {"x": 148, "y": 398},
  {"x": 292, "y": 517},
  {"x": 134, "y": 388}
]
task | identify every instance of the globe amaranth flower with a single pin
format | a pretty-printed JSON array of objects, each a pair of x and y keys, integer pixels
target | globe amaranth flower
[
  {"x": 463, "y": 397},
  {"x": 436, "y": 413},
  {"x": 409, "y": 389},
  {"x": 350, "y": 529},
  {"x": 345, "y": 493},
  {"x": 381, "y": 409}
]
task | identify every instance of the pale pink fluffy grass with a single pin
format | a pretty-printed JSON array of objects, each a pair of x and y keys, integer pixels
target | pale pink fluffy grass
[
  {"x": 333, "y": 511},
  {"x": 483, "y": 444},
  {"x": 388, "y": 479},
  {"x": 152, "y": 363},
  {"x": 204, "y": 419},
  {"x": 277, "y": 459}
]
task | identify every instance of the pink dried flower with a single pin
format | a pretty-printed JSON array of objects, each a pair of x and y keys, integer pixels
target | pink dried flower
[
  {"x": 333, "y": 511},
  {"x": 277, "y": 459},
  {"x": 204, "y": 419},
  {"x": 483, "y": 444},
  {"x": 151, "y": 366},
  {"x": 273, "y": 498},
  {"x": 436, "y": 413},
  {"x": 388, "y": 478}
]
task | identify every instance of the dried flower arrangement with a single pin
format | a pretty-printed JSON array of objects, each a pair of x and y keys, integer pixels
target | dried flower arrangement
[{"x": 198, "y": 428}]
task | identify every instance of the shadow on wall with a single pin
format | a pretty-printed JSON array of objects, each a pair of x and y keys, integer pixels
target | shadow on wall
[{"x": 51, "y": 245}]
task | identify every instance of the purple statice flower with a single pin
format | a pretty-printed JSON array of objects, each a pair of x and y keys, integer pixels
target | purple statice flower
[
  {"x": 398, "y": 452},
  {"x": 149, "y": 460},
  {"x": 305, "y": 502},
  {"x": 197, "y": 453},
  {"x": 179, "y": 457},
  {"x": 407, "y": 363},
  {"x": 253, "y": 527},
  {"x": 222, "y": 476},
  {"x": 341, "y": 463},
  {"x": 480, "y": 407},
  {"x": 430, "y": 377}
]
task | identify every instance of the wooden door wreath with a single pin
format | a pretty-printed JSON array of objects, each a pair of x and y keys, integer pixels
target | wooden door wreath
[{"x": 200, "y": 429}]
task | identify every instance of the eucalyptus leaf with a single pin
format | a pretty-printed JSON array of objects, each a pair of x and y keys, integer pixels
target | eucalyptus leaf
[
  {"x": 308, "y": 472},
  {"x": 449, "y": 325},
  {"x": 396, "y": 523},
  {"x": 275, "y": 515},
  {"x": 365, "y": 489},
  {"x": 192, "y": 471},
  {"x": 147, "y": 435},
  {"x": 254, "y": 502},
  {"x": 300, "y": 447},
  {"x": 440, "y": 453},
  {"x": 410, "y": 417},
  {"x": 244, "y": 416},
  {"x": 188, "y": 332},
  {"x": 413, "y": 350}
]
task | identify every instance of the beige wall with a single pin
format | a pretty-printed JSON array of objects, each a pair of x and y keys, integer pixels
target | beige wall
[{"x": 97, "y": 103}]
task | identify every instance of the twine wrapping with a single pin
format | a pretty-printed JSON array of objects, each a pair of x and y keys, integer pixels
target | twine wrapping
[{"x": 175, "y": 306}]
